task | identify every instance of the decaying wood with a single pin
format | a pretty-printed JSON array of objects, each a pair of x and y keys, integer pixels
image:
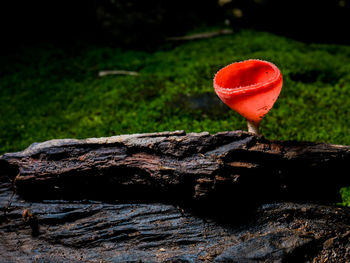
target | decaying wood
[
  {"x": 174, "y": 197},
  {"x": 180, "y": 166},
  {"x": 96, "y": 231}
]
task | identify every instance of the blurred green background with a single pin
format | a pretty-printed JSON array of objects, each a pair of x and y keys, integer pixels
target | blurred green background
[{"x": 50, "y": 88}]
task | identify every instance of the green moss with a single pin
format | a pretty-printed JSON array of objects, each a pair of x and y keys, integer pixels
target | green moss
[
  {"x": 345, "y": 193},
  {"x": 51, "y": 92}
]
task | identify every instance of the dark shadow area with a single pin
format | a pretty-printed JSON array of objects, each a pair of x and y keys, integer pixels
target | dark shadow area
[
  {"x": 118, "y": 23},
  {"x": 309, "y": 21},
  {"x": 143, "y": 24}
]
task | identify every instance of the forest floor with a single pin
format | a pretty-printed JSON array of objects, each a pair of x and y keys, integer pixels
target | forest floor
[{"x": 48, "y": 91}]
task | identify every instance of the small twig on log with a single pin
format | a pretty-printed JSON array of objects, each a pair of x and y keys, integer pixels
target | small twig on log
[
  {"x": 117, "y": 72},
  {"x": 201, "y": 35},
  {"x": 32, "y": 221}
]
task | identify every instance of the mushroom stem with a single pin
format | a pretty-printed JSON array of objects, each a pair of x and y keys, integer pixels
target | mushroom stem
[{"x": 253, "y": 127}]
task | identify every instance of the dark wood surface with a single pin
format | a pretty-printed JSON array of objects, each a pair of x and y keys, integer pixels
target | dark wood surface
[{"x": 176, "y": 197}]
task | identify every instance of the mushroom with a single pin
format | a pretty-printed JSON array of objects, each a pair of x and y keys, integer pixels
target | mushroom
[{"x": 249, "y": 87}]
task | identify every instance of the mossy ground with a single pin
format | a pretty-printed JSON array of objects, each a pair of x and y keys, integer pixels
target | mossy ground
[{"x": 51, "y": 92}]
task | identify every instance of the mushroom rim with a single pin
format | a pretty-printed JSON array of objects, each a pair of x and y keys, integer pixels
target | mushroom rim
[{"x": 248, "y": 88}]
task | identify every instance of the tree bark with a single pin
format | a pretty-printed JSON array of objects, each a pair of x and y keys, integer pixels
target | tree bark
[
  {"x": 180, "y": 166},
  {"x": 174, "y": 197}
]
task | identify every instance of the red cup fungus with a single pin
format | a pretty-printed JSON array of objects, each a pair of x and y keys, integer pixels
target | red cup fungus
[{"x": 250, "y": 87}]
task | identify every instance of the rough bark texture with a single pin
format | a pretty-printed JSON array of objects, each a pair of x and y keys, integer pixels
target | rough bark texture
[{"x": 174, "y": 197}]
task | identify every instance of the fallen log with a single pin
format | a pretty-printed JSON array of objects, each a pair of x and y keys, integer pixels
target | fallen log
[
  {"x": 174, "y": 197},
  {"x": 179, "y": 166},
  {"x": 96, "y": 231}
]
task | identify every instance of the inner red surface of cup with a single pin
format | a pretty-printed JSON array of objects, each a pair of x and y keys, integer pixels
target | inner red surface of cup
[{"x": 240, "y": 74}]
